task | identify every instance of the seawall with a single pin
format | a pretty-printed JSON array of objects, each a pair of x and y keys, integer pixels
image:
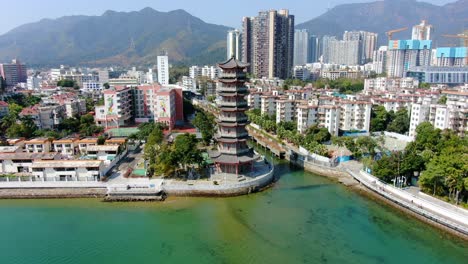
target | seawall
[{"x": 48, "y": 193}]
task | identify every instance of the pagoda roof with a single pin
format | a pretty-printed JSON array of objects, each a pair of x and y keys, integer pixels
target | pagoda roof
[
  {"x": 234, "y": 159},
  {"x": 232, "y": 63}
]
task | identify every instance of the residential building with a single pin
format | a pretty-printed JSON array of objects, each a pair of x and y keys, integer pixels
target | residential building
[
  {"x": 117, "y": 109},
  {"x": 268, "y": 104},
  {"x": 345, "y": 52},
  {"x": 66, "y": 146},
  {"x": 367, "y": 42},
  {"x": 143, "y": 103},
  {"x": 163, "y": 69},
  {"x": 234, "y": 46},
  {"x": 268, "y": 43},
  {"x": 103, "y": 76},
  {"x": 451, "y": 57},
  {"x": 326, "y": 48},
  {"x": 254, "y": 100},
  {"x": 85, "y": 143},
  {"x": 123, "y": 81},
  {"x": 423, "y": 31},
  {"x": 14, "y": 72},
  {"x": 37, "y": 145},
  {"x": 22, "y": 162},
  {"x": 439, "y": 75},
  {"x": 189, "y": 84},
  {"x": 380, "y": 60},
  {"x": 403, "y": 55},
  {"x": 195, "y": 72},
  {"x": 355, "y": 115},
  {"x": 313, "y": 49},
  {"x": 67, "y": 170},
  {"x": 390, "y": 84},
  {"x": 106, "y": 153},
  {"x": 45, "y": 116},
  {"x": 34, "y": 83},
  {"x": 327, "y": 116},
  {"x": 285, "y": 110},
  {"x": 301, "y": 47}
]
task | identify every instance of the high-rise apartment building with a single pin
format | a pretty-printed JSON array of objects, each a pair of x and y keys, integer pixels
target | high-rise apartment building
[
  {"x": 403, "y": 55},
  {"x": 451, "y": 56},
  {"x": 313, "y": 50},
  {"x": 234, "y": 46},
  {"x": 367, "y": 40},
  {"x": 422, "y": 31},
  {"x": 345, "y": 52},
  {"x": 163, "y": 69},
  {"x": 380, "y": 59},
  {"x": 268, "y": 43},
  {"x": 301, "y": 47},
  {"x": 325, "y": 48},
  {"x": 13, "y": 73}
]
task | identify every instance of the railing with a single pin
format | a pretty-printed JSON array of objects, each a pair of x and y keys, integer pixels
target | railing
[
  {"x": 413, "y": 202},
  {"x": 233, "y": 135},
  {"x": 233, "y": 119},
  {"x": 238, "y": 104},
  {"x": 232, "y": 89}
]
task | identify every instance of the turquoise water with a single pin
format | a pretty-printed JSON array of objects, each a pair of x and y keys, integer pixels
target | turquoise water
[{"x": 303, "y": 219}]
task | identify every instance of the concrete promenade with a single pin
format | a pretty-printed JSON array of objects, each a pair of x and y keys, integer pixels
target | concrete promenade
[{"x": 441, "y": 212}]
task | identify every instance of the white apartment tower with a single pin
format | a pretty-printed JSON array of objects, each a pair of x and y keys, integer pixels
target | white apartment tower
[
  {"x": 163, "y": 69},
  {"x": 422, "y": 31},
  {"x": 301, "y": 47},
  {"x": 234, "y": 45}
]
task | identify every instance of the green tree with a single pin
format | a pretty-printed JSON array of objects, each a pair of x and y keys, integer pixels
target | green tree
[
  {"x": 400, "y": 123},
  {"x": 186, "y": 150},
  {"x": 380, "y": 119},
  {"x": 66, "y": 83},
  {"x": 101, "y": 140},
  {"x": 205, "y": 124}
]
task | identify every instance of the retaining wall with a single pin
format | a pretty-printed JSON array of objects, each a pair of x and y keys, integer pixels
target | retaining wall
[{"x": 177, "y": 188}]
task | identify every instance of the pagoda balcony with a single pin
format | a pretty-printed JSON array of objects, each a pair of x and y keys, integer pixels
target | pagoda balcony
[
  {"x": 233, "y": 118},
  {"x": 241, "y": 89},
  {"x": 233, "y": 74},
  {"x": 234, "y": 104},
  {"x": 233, "y": 135},
  {"x": 232, "y": 109},
  {"x": 235, "y": 151}
]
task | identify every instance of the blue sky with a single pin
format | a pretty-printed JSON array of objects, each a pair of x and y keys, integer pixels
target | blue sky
[{"x": 18, "y": 12}]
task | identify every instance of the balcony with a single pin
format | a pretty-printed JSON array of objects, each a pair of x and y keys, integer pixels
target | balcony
[
  {"x": 233, "y": 135},
  {"x": 233, "y": 119},
  {"x": 233, "y": 75},
  {"x": 233, "y": 104},
  {"x": 224, "y": 88},
  {"x": 234, "y": 151}
]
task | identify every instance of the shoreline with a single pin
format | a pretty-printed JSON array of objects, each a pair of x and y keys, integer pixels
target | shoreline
[{"x": 365, "y": 192}]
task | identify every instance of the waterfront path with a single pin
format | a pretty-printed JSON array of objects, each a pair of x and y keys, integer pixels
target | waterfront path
[{"x": 434, "y": 209}]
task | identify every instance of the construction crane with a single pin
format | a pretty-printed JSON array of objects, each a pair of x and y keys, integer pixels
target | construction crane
[
  {"x": 463, "y": 36},
  {"x": 391, "y": 32}
]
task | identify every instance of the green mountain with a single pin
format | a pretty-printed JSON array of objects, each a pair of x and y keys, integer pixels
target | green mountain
[
  {"x": 116, "y": 38},
  {"x": 382, "y": 16}
]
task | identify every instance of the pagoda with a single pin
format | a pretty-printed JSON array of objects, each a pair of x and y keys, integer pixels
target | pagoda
[{"x": 234, "y": 156}]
